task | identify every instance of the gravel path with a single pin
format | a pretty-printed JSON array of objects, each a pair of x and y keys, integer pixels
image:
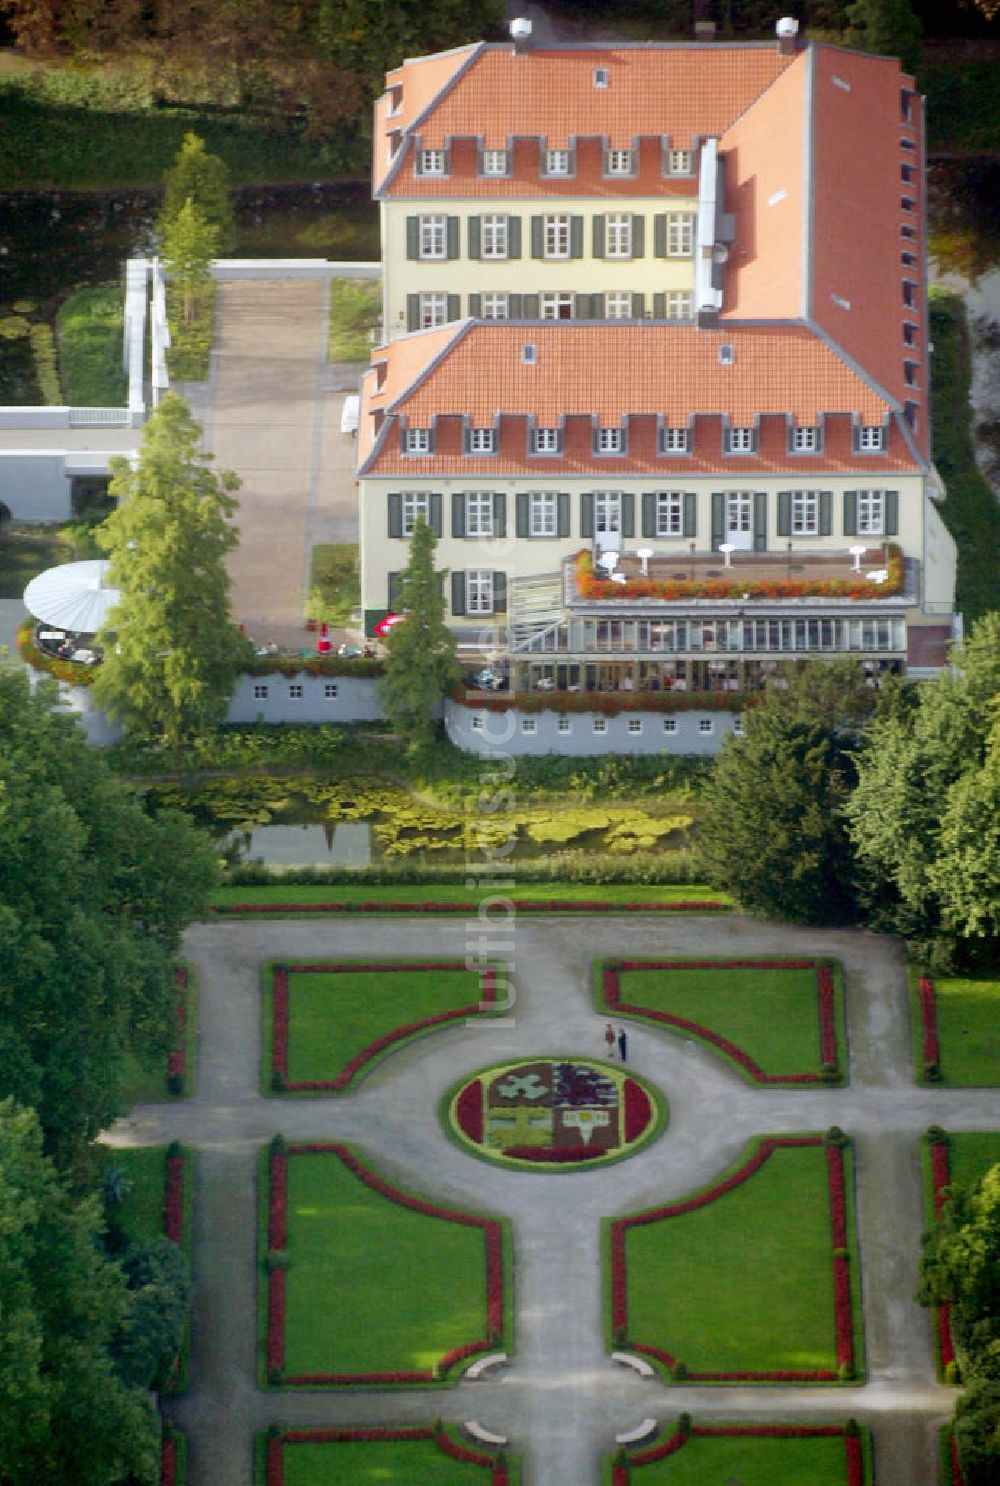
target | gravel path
[{"x": 561, "y": 1400}]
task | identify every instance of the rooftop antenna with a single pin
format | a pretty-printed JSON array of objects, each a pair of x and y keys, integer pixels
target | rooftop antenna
[{"x": 520, "y": 32}]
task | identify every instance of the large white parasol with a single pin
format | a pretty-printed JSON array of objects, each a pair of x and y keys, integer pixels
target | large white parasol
[{"x": 72, "y": 597}]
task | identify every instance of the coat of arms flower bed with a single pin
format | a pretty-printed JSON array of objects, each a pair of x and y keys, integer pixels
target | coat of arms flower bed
[
  {"x": 753, "y": 1279},
  {"x": 561, "y": 1113},
  {"x": 293, "y": 1457},
  {"x": 780, "y": 1454},
  {"x": 779, "y": 1021},
  {"x": 331, "y": 1022},
  {"x": 369, "y": 1285}
]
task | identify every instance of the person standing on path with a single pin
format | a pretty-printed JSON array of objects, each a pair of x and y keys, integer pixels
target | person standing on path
[
  {"x": 622, "y": 1045},
  {"x": 609, "y": 1038}
]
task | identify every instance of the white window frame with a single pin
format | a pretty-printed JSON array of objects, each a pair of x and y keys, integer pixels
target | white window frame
[
  {"x": 805, "y": 439},
  {"x": 529, "y": 725},
  {"x": 494, "y": 162},
  {"x": 564, "y": 723},
  {"x": 479, "y": 590},
  {"x": 418, "y": 441},
  {"x": 415, "y": 504},
  {"x": 494, "y": 236},
  {"x": 479, "y": 513},
  {"x": 260, "y": 693},
  {"x": 669, "y": 511},
  {"x": 871, "y": 438},
  {"x": 706, "y": 726},
  {"x": 296, "y": 691},
  {"x": 556, "y": 235},
  {"x": 675, "y": 440},
  {"x": 738, "y": 511},
  {"x": 680, "y": 162},
  {"x": 738, "y": 729},
  {"x": 680, "y": 234},
  {"x": 553, "y": 302},
  {"x": 620, "y": 162},
  {"x": 433, "y": 242},
  {"x": 433, "y": 310},
  {"x": 635, "y": 726},
  {"x": 805, "y": 513},
  {"x": 330, "y": 690},
  {"x": 556, "y": 162},
  {"x": 600, "y": 725},
  {"x": 670, "y": 724},
  {"x": 740, "y": 440},
  {"x": 618, "y": 235},
  {"x": 543, "y": 513},
  {"x": 482, "y": 441},
  {"x": 610, "y": 441},
  {"x": 871, "y": 513},
  {"x": 545, "y": 441},
  {"x": 492, "y": 304},
  {"x": 608, "y": 513},
  {"x": 618, "y": 306},
  {"x": 432, "y": 162},
  {"x": 679, "y": 304}
]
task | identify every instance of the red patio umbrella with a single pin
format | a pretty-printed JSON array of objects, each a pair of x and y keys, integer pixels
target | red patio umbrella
[
  {"x": 324, "y": 644},
  {"x": 388, "y": 623}
]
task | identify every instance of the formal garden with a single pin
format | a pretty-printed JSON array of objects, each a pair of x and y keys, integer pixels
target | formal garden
[
  {"x": 753, "y": 1455},
  {"x": 389, "y": 1456}
]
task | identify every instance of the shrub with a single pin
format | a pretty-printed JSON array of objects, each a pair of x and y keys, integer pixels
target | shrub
[
  {"x": 43, "y": 350},
  {"x": 846, "y": 1372},
  {"x": 836, "y": 1137},
  {"x": 175, "y": 1083},
  {"x": 952, "y": 1372},
  {"x": 679, "y": 1371},
  {"x": 277, "y": 1259}
]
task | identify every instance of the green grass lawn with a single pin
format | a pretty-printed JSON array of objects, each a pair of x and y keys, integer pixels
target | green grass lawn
[
  {"x": 332, "y": 1016},
  {"x": 146, "y": 1082},
  {"x": 90, "y": 327},
  {"x": 355, "y": 307},
  {"x": 744, "y": 1283},
  {"x": 378, "y": 1463},
  {"x": 373, "y": 1286},
  {"x": 971, "y": 1153},
  {"x": 334, "y": 582},
  {"x": 773, "y": 1015},
  {"x": 968, "y": 1016},
  {"x": 750, "y": 1461},
  {"x": 140, "y": 1216},
  {"x": 452, "y": 892}
]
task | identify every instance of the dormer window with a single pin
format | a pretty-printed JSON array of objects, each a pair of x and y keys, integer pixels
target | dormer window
[
  {"x": 619, "y": 162},
  {"x": 556, "y": 162},
  {"x": 609, "y": 441},
  {"x": 545, "y": 441},
  {"x": 494, "y": 162},
  {"x": 601, "y": 78},
  {"x": 418, "y": 441},
  {"x": 431, "y": 162},
  {"x": 872, "y": 437},
  {"x": 674, "y": 441},
  {"x": 395, "y": 100},
  {"x": 680, "y": 162},
  {"x": 805, "y": 439},
  {"x": 740, "y": 441},
  {"x": 482, "y": 441}
]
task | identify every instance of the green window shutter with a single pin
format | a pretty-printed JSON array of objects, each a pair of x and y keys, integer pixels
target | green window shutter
[
  {"x": 395, "y": 592},
  {"x": 454, "y": 306},
  {"x": 638, "y": 306},
  {"x": 513, "y": 237},
  {"x": 515, "y": 308},
  {"x": 659, "y": 306},
  {"x": 718, "y": 519},
  {"x": 499, "y": 592},
  {"x": 825, "y": 512},
  {"x": 521, "y": 517},
  {"x": 850, "y": 513},
  {"x": 581, "y": 307},
  {"x": 476, "y": 306},
  {"x": 638, "y": 237},
  {"x": 454, "y": 246},
  {"x": 413, "y": 312},
  {"x": 586, "y": 515},
  {"x": 458, "y": 592},
  {"x": 891, "y": 522},
  {"x": 784, "y": 513},
  {"x": 395, "y": 515},
  {"x": 690, "y": 513},
  {"x": 529, "y": 307},
  {"x": 760, "y": 521},
  {"x": 648, "y": 513},
  {"x": 435, "y": 514},
  {"x": 537, "y": 237},
  {"x": 475, "y": 237},
  {"x": 597, "y": 306},
  {"x": 660, "y": 235},
  {"x": 562, "y": 514},
  {"x": 628, "y": 514},
  {"x": 458, "y": 515},
  {"x": 413, "y": 237},
  {"x": 598, "y": 231},
  {"x": 499, "y": 514},
  {"x": 576, "y": 237}
]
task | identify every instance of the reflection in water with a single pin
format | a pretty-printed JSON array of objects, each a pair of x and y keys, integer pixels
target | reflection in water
[{"x": 347, "y": 844}]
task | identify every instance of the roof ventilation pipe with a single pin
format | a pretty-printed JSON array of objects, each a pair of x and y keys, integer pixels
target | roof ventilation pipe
[
  {"x": 788, "y": 30},
  {"x": 520, "y": 33}
]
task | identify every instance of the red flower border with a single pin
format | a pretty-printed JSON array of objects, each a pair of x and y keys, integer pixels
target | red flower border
[
  {"x": 524, "y": 905},
  {"x": 491, "y": 1228},
  {"x": 853, "y": 1448},
  {"x": 173, "y": 1197},
  {"x": 957, "y": 1473},
  {"x": 843, "y": 1308},
  {"x": 168, "y": 1460},
  {"x": 281, "y": 992},
  {"x": 928, "y": 1022},
  {"x": 826, "y": 1005},
  {"x": 940, "y": 1180},
  {"x": 444, "y": 1442}
]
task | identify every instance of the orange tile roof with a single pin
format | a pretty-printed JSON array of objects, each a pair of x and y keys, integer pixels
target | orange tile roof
[
  {"x": 683, "y": 91},
  {"x": 422, "y": 80}
]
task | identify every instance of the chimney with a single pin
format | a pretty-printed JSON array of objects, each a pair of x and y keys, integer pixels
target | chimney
[
  {"x": 520, "y": 32},
  {"x": 704, "y": 20},
  {"x": 787, "y": 29}
]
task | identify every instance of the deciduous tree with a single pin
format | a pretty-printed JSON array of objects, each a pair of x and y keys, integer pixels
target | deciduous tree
[
  {"x": 421, "y": 666},
  {"x": 888, "y": 27},
  {"x": 202, "y": 178},
  {"x": 190, "y": 242}
]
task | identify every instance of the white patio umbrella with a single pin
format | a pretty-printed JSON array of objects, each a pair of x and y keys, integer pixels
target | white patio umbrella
[{"x": 72, "y": 597}]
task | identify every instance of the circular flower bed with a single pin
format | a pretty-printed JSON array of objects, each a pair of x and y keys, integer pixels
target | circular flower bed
[{"x": 546, "y": 1113}]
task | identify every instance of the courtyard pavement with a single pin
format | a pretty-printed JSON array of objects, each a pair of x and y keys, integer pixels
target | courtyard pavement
[{"x": 560, "y": 1400}]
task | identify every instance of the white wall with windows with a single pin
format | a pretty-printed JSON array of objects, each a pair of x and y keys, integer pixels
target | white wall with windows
[{"x": 585, "y": 734}]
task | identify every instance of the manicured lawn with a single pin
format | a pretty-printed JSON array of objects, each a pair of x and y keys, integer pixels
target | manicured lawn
[
  {"x": 971, "y": 1154},
  {"x": 968, "y": 1021},
  {"x": 335, "y": 1015},
  {"x": 380, "y": 1463},
  {"x": 90, "y": 328},
  {"x": 334, "y": 582},
  {"x": 455, "y": 892},
  {"x": 745, "y": 1282},
  {"x": 770, "y": 1014},
  {"x": 749, "y": 1460},
  {"x": 146, "y": 1083},
  {"x": 140, "y": 1216},
  {"x": 355, "y": 307},
  {"x": 374, "y": 1287}
]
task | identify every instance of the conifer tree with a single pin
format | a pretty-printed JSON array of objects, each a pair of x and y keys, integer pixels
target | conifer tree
[{"x": 421, "y": 666}]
